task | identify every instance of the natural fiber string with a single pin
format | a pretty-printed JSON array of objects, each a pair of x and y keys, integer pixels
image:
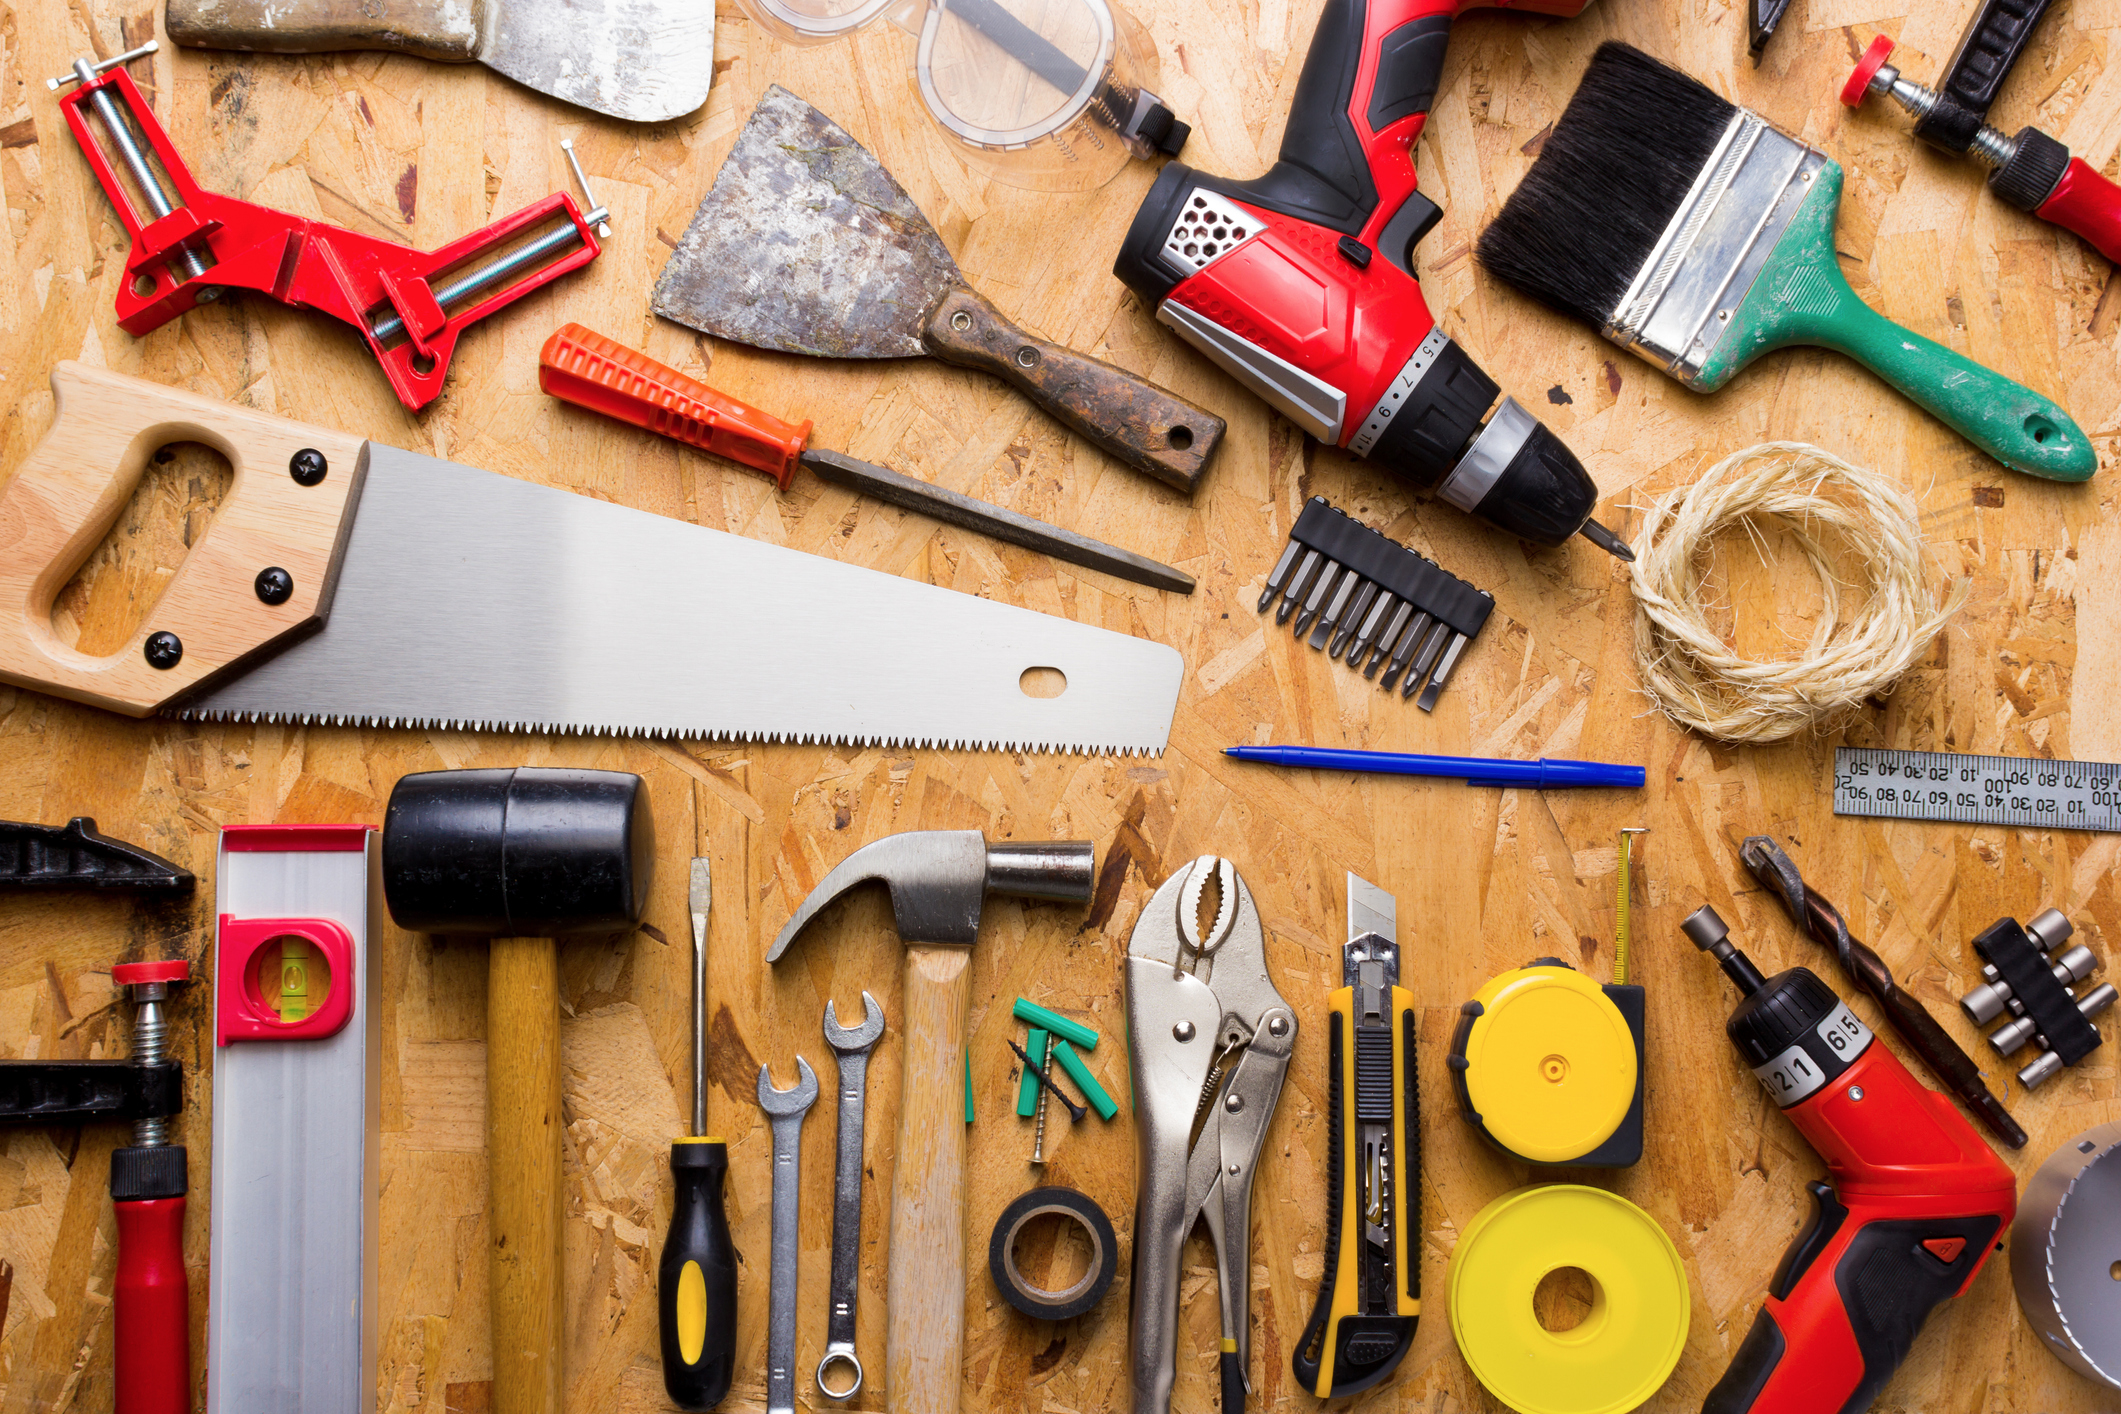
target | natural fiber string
[{"x": 1696, "y": 678}]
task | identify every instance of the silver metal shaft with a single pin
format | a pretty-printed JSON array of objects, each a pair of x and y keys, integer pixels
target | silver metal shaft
[
  {"x": 493, "y": 272},
  {"x": 883, "y": 484},
  {"x": 121, "y": 136},
  {"x": 702, "y": 896},
  {"x": 150, "y": 1047},
  {"x": 1038, "y": 1126}
]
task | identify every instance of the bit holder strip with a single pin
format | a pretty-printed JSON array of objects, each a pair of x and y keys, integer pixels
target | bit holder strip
[
  {"x": 1381, "y": 604},
  {"x": 2029, "y": 972}
]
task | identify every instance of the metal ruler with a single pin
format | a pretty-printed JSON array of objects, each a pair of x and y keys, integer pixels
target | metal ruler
[{"x": 1977, "y": 790}]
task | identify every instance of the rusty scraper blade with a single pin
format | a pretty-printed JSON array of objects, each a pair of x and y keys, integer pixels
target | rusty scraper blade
[{"x": 806, "y": 245}]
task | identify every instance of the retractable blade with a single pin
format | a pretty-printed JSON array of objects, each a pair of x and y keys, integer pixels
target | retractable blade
[{"x": 1363, "y": 1322}]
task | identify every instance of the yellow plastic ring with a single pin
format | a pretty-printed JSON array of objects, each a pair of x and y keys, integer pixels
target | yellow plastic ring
[{"x": 1621, "y": 1353}]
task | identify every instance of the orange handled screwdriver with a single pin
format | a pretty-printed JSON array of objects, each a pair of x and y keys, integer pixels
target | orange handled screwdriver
[{"x": 582, "y": 367}]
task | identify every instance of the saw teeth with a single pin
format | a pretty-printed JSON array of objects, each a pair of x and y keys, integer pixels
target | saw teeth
[{"x": 467, "y": 724}]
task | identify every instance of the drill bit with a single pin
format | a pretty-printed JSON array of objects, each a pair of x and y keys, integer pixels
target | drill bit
[{"x": 1944, "y": 1056}]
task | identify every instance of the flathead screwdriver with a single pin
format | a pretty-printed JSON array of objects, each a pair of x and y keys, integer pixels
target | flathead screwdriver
[{"x": 696, "y": 1280}]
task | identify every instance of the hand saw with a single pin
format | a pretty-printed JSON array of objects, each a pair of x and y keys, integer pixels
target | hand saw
[{"x": 345, "y": 582}]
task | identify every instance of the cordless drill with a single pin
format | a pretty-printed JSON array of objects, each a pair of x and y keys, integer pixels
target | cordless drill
[
  {"x": 1916, "y": 1204},
  {"x": 1300, "y": 283}
]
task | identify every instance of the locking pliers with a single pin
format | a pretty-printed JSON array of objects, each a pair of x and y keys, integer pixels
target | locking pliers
[{"x": 1209, "y": 1039}]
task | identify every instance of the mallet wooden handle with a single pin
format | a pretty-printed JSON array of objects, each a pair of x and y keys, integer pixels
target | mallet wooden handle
[
  {"x": 523, "y": 1208},
  {"x": 924, "y": 1346},
  {"x": 65, "y": 496}
]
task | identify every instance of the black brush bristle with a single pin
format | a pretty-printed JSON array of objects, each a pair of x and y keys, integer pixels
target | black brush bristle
[{"x": 1626, "y": 151}]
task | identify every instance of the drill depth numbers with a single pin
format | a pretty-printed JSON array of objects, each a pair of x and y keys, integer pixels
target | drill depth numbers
[
  {"x": 1977, "y": 790},
  {"x": 1801, "y": 1069}
]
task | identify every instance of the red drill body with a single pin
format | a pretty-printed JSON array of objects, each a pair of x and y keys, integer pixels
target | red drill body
[
  {"x": 1917, "y": 1200},
  {"x": 1300, "y": 283}
]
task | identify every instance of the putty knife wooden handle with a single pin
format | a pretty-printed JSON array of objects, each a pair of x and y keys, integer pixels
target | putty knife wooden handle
[
  {"x": 65, "y": 496},
  {"x": 430, "y": 29},
  {"x": 1130, "y": 418}
]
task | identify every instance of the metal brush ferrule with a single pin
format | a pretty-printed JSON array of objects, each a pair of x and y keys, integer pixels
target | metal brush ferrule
[{"x": 1682, "y": 302}]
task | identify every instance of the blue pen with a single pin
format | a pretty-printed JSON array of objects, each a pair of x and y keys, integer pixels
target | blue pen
[{"x": 1473, "y": 770}]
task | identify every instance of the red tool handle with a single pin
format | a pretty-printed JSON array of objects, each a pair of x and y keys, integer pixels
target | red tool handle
[
  {"x": 2089, "y": 204},
  {"x": 582, "y": 367},
  {"x": 152, "y": 1335},
  {"x": 1918, "y": 1204}
]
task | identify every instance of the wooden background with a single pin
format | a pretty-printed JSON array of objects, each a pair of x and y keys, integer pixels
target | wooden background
[{"x": 1485, "y": 879}]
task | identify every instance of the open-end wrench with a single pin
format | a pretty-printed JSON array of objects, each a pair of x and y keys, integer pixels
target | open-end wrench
[
  {"x": 785, "y": 1108},
  {"x": 853, "y": 1048}
]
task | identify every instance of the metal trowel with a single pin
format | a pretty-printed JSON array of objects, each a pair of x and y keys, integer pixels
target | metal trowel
[
  {"x": 647, "y": 61},
  {"x": 806, "y": 245}
]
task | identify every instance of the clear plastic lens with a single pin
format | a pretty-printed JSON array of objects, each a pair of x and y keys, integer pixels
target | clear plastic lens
[{"x": 1035, "y": 93}]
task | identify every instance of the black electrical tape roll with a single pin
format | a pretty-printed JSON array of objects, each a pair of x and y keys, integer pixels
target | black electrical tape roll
[{"x": 1035, "y": 1301}]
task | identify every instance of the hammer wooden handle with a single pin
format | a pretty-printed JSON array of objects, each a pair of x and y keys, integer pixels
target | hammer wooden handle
[
  {"x": 925, "y": 1342},
  {"x": 523, "y": 1209}
]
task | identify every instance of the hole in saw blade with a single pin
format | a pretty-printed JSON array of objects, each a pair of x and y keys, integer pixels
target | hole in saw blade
[
  {"x": 119, "y": 585},
  {"x": 1043, "y": 682}
]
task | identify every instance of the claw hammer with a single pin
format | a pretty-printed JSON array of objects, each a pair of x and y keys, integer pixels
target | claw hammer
[{"x": 938, "y": 881}]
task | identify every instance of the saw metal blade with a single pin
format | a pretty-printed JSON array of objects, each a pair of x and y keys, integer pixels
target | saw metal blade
[
  {"x": 806, "y": 245},
  {"x": 471, "y": 601},
  {"x": 647, "y": 61}
]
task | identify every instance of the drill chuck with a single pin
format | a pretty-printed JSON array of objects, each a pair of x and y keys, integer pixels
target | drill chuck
[{"x": 1794, "y": 1033}]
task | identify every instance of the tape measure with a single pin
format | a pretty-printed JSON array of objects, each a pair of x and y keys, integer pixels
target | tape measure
[
  {"x": 1547, "y": 1064},
  {"x": 1976, "y": 790},
  {"x": 1624, "y": 1348}
]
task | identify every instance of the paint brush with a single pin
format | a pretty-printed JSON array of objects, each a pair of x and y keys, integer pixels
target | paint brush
[{"x": 1695, "y": 234}]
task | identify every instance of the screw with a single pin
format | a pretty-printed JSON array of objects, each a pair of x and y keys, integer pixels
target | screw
[
  {"x": 275, "y": 585},
  {"x": 1038, "y": 1132},
  {"x": 1027, "y": 357},
  {"x": 1233, "y": 1102},
  {"x": 1279, "y": 1026},
  {"x": 307, "y": 466},
  {"x": 1183, "y": 1032},
  {"x": 961, "y": 320},
  {"x": 163, "y": 649},
  {"x": 1856, "y": 1093},
  {"x": 1077, "y": 1113},
  {"x": 146, "y": 985}
]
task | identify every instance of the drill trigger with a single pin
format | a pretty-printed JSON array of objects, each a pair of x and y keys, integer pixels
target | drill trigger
[{"x": 1416, "y": 217}]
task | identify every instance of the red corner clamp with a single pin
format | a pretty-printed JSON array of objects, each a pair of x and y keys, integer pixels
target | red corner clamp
[{"x": 190, "y": 247}]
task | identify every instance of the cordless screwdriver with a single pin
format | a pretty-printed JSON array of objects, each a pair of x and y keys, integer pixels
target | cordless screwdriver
[
  {"x": 1917, "y": 1201},
  {"x": 696, "y": 1279},
  {"x": 1300, "y": 283}
]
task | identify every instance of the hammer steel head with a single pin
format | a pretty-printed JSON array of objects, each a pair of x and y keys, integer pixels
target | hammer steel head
[
  {"x": 525, "y": 851},
  {"x": 940, "y": 878}
]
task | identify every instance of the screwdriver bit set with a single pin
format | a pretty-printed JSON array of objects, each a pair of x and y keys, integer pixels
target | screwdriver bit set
[{"x": 1374, "y": 600}]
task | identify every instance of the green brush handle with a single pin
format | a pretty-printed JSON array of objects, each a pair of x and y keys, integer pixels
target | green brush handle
[{"x": 1801, "y": 297}]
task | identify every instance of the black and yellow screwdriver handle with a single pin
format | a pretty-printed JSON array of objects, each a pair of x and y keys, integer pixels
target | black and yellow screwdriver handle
[
  {"x": 1367, "y": 1307},
  {"x": 696, "y": 1295}
]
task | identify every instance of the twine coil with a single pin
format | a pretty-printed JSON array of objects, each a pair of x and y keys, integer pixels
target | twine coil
[{"x": 1858, "y": 649}]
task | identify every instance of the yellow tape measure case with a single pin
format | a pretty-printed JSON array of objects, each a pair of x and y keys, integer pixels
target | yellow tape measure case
[{"x": 1548, "y": 1066}]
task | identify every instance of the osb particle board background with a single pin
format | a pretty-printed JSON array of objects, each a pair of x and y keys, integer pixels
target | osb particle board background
[{"x": 1485, "y": 880}]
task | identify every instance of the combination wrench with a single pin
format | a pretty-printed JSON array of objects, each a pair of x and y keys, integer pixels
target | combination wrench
[
  {"x": 853, "y": 1048},
  {"x": 785, "y": 1108}
]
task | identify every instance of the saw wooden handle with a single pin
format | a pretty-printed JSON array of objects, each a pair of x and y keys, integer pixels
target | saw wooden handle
[
  {"x": 924, "y": 1345},
  {"x": 65, "y": 496},
  {"x": 429, "y": 29},
  {"x": 525, "y": 1233},
  {"x": 1130, "y": 418}
]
